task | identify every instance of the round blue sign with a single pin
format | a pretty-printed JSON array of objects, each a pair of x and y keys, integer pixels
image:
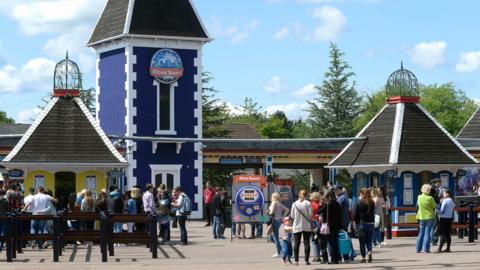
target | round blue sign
[
  {"x": 249, "y": 201},
  {"x": 166, "y": 66}
]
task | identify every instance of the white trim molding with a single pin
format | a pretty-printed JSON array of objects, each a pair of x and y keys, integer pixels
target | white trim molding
[
  {"x": 131, "y": 127},
  {"x": 128, "y": 20},
  {"x": 197, "y": 129},
  {"x": 172, "y": 130},
  {"x": 397, "y": 133},
  {"x": 448, "y": 134},
  {"x": 400, "y": 168},
  {"x": 31, "y": 129},
  {"x": 99, "y": 130}
]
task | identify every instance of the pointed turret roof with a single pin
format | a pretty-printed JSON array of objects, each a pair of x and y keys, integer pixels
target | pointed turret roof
[
  {"x": 148, "y": 18},
  {"x": 403, "y": 136},
  {"x": 471, "y": 130},
  {"x": 65, "y": 133}
]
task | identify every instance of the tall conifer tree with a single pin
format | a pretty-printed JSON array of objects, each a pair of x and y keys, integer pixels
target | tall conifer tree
[{"x": 332, "y": 113}]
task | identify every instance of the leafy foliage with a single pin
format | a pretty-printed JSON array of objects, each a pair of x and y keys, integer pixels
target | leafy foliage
[
  {"x": 332, "y": 112},
  {"x": 215, "y": 113},
  {"x": 4, "y": 119}
]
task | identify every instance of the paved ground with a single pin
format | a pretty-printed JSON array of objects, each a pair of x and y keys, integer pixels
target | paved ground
[{"x": 206, "y": 253}]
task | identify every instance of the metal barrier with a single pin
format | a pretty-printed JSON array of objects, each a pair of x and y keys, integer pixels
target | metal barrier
[
  {"x": 468, "y": 213},
  {"x": 15, "y": 238}
]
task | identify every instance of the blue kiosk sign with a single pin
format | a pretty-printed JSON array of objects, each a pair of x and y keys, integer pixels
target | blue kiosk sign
[{"x": 249, "y": 200}]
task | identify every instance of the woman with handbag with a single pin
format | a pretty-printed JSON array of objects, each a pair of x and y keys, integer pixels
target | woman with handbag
[
  {"x": 364, "y": 219},
  {"x": 302, "y": 225},
  {"x": 277, "y": 211},
  {"x": 379, "y": 205},
  {"x": 331, "y": 223}
]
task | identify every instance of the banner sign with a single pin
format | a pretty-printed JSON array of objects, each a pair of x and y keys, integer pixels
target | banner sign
[
  {"x": 166, "y": 66},
  {"x": 15, "y": 174},
  {"x": 248, "y": 199}
]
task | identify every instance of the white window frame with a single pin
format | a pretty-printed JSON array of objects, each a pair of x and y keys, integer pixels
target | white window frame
[
  {"x": 86, "y": 182},
  {"x": 35, "y": 181},
  {"x": 173, "y": 169},
  {"x": 171, "y": 131}
]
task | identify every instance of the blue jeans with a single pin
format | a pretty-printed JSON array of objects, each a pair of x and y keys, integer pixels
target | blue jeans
[
  {"x": 38, "y": 227},
  {"x": 376, "y": 237},
  {"x": 165, "y": 231},
  {"x": 287, "y": 249},
  {"x": 259, "y": 228},
  {"x": 274, "y": 236},
  {"x": 423, "y": 238},
  {"x": 315, "y": 245},
  {"x": 117, "y": 227},
  {"x": 366, "y": 238},
  {"x": 183, "y": 229},
  {"x": 234, "y": 228},
  {"x": 217, "y": 226},
  {"x": 433, "y": 237}
]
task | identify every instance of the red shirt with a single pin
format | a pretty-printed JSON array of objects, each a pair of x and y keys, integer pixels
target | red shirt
[
  {"x": 208, "y": 194},
  {"x": 315, "y": 205}
]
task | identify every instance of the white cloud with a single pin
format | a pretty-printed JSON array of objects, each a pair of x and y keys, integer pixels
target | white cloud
[
  {"x": 233, "y": 33},
  {"x": 477, "y": 100},
  {"x": 47, "y": 16},
  {"x": 27, "y": 116},
  {"x": 292, "y": 110},
  {"x": 35, "y": 75},
  {"x": 282, "y": 33},
  {"x": 429, "y": 54},
  {"x": 305, "y": 91},
  {"x": 469, "y": 61},
  {"x": 275, "y": 85},
  {"x": 333, "y": 24}
]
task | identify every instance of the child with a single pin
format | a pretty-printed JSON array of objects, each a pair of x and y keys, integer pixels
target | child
[
  {"x": 164, "y": 217},
  {"x": 286, "y": 232}
]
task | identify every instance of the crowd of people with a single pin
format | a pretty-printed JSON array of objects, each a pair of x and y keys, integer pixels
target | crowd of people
[
  {"x": 172, "y": 210},
  {"x": 320, "y": 216}
]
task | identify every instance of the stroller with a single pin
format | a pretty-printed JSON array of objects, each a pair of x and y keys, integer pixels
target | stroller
[{"x": 345, "y": 245}]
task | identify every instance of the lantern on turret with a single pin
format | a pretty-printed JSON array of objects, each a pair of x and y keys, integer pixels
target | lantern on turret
[{"x": 67, "y": 80}]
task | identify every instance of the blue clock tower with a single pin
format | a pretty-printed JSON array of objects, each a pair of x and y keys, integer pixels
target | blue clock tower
[{"x": 149, "y": 67}]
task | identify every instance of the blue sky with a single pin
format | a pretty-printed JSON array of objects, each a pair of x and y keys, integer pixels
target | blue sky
[{"x": 273, "y": 51}]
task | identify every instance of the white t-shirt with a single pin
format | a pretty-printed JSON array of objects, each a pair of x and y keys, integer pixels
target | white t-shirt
[
  {"x": 28, "y": 200},
  {"x": 40, "y": 203}
]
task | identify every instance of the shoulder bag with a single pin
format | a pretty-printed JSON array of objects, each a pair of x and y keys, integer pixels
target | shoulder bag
[
  {"x": 312, "y": 225},
  {"x": 324, "y": 228}
]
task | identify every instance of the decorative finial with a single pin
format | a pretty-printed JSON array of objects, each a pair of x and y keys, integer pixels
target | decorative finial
[{"x": 401, "y": 64}]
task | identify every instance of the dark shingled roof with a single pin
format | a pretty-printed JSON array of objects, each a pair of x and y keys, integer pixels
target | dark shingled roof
[
  {"x": 9, "y": 129},
  {"x": 111, "y": 22},
  {"x": 376, "y": 149},
  {"x": 65, "y": 136},
  {"x": 175, "y": 18},
  {"x": 471, "y": 130},
  {"x": 422, "y": 142},
  {"x": 241, "y": 131}
]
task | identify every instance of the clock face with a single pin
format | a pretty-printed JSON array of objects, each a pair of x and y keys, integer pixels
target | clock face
[{"x": 166, "y": 66}]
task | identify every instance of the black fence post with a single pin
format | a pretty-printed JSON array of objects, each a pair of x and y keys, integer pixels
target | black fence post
[
  {"x": 471, "y": 224},
  {"x": 103, "y": 236},
  {"x": 389, "y": 224},
  {"x": 153, "y": 237},
  {"x": 16, "y": 244},
  {"x": 56, "y": 238},
  {"x": 462, "y": 220},
  {"x": 9, "y": 238},
  {"x": 111, "y": 251}
]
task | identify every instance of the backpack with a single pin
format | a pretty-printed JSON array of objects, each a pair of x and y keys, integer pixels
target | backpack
[{"x": 186, "y": 206}]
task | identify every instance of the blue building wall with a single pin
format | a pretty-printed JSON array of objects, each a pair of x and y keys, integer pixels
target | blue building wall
[
  {"x": 112, "y": 93},
  {"x": 146, "y": 120}
]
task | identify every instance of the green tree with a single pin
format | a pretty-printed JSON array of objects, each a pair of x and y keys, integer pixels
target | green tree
[
  {"x": 332, "y": 113},
  {"x": 215, "y": 112},
  {"x": 369, "y": 107},
  {"x": 276, "y": 126},
  {"x": 4, "y": 119},
  {"x": 89, "y": 99},
  {"x": 300, "y": 129},
  {"x": 450, "y": 106}
]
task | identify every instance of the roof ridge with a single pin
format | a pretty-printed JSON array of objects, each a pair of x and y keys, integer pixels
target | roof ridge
[{"x": 468, "y": 122}]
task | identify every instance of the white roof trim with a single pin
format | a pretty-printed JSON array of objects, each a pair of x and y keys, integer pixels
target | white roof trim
[
  {"x": 468, "y": 122},
  {"x": 148, "y": 37},
  {"x": 199, "y": 19},
  {"x": 359, "y": 134},
  {"x": 400, "y": 168},
  {"x": 397, "y": 133},
  {"x": 64, "y": 165},
  {"x": 31, "y": 130},
  {"x": 128, "y": 20},
  {"x": 448, "y": 134},
  {"x": 99, "y": 130}
]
